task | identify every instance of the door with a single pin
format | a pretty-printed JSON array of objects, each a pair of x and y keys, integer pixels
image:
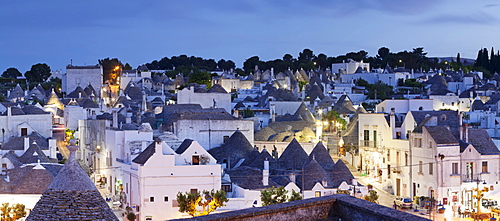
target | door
[
  {"x": 398, "y": 187},
  {"x": 469, "y": 170},
  {"x": 414, "y": 190}
]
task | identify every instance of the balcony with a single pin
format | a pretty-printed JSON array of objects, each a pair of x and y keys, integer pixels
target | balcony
[
  {"x": 472, "y": 178},
  {"x": 396, "y": 170},
  {"x": 367, "y": 143}
]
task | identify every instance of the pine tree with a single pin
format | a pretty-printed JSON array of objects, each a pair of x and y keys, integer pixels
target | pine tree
[{"x": 458, "y": 59}]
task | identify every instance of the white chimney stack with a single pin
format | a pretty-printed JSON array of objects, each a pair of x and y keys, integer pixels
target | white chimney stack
[
  {"x": 26, "y": 143},
  {"x": 265, "y": 173}
]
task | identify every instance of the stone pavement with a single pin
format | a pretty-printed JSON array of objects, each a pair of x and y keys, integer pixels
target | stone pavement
[{"x": 115, "y": 207}]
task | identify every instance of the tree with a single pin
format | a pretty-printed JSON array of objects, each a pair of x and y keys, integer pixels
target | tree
[
  {"x": 306, "y": 55},
  {"x": 127, "y": 67},
  {"x": 383, "y": 52},
  {"x": 275, "y": 195},
  {"x": 249, "y": 64},
  {"x": 200, "y": 77},
  {"x": 333, "y": 117},
  {"x": 295, "y": 196},
  {"x": 11, "y": 73},
  {"x": 111, "y": 69},
  {"x": 210, "y": 201},
  {"x": 12, "y": 213},
  {"x": 459, "y": 62},
  {"x": 38, "y": 73},
  {"x": 344, "y": 192},
  {"x": 226, "y": 65},
  {"x": 131, "y": 216},
  {"x": 372, "y": 197}
]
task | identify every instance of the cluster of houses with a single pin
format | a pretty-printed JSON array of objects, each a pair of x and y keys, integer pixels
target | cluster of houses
[{"x": 144, "y": 139}]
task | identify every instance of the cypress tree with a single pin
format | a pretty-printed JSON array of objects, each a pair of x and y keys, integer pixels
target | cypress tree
[{"x": 458, "y": 59}]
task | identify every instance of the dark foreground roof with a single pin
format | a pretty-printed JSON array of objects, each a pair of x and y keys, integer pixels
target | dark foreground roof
[{"x": 71, "y": 196}]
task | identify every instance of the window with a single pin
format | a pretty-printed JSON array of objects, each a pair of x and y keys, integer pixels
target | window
[
  {"x": 366, "y": 138},
  {"x": 420, "y": 166},
  {"x": 431, "y": 168},
  {"x": 454, "y": 168},
  {"x": 388, "y": 155},
  {"x": 374, "y": 138},
  {"x": 196, "y": 160},
  {"x": 418, "y": 142},
  {"x": 165, "y": 199},
  {"x": 406, "y": 159},
  {"x": 151, "y": 199},
  {"x": 317, "y": 194},
  {"x": 193, "y": 191},
  {"x": 226, "y": 188},
  {"x": 226, "y": 138},
  {"x": 484, "y": 168},
  {"x": 430, "y": 144},
  {"x": 398, "y": 163},
  {"x": 24, "y": 131}
]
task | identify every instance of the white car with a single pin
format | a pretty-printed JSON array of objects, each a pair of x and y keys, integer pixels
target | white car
[{"x": 403, "y": 202}]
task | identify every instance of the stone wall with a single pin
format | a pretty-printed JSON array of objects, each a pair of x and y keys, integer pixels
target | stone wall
[{"x": 335, "y": 207}]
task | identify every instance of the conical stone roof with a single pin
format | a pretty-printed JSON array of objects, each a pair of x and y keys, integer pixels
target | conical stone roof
[
  {"x": 320, "y": 153},
  {"x": 293, "y": 157},
  {"x": 71, "y": 196}
]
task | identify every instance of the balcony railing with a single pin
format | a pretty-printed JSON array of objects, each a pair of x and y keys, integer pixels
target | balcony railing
[
  {"x": 367, "y": 143},
  {"x": 472, "y": 178}
]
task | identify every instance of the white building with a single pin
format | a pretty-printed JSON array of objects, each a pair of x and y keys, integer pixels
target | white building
[
  {"x": 211, "y": 99},
  {"x": 82, "y": 76},
  {"x": 18, "y": 121},
  {"x": 403, "y": 106},
  {"x": 349, "y": 67},
  {"x": 159, "y": 173}
]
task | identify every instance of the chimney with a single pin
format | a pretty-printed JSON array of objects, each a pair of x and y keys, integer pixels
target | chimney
[
  {"x": 392, "y": 122},
  {"x": 460, "y": 122},
  {"x": 144, "y": 107},
  {"x": 292, "y": 177},
  {"x": 466, "y": 133},
  {"x": 115, "y": 119},
  {"x": 461, "y": 132},
  {"x": 273, "y": 113},
  {"x": 9, "y": 111},
  {"x": 52, "y": 148},
  {"x": 26, "y": 143},
  {"x": 265, "y": 173}
]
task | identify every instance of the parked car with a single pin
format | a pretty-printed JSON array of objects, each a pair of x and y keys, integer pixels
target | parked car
[{"x": 403, "y": 202}]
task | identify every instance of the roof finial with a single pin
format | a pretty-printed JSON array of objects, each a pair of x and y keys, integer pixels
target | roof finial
[{"x": 72, "y": 147}]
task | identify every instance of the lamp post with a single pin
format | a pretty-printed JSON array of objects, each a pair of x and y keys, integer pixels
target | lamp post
[
  {"x": 404, "y": 64},
  {"x": 479, "y": 196}
]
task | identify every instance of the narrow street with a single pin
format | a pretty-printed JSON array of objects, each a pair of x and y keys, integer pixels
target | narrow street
[{"x": 387, "y": 199}]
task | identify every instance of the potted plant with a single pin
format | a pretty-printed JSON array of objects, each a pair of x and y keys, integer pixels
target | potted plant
[{"x": 441, "y": 208}]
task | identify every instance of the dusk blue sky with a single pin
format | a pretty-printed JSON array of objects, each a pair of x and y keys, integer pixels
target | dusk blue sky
[{"x": 137, "y": 32}]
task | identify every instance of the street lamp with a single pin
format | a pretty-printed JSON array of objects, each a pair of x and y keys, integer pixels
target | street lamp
[
  {"x": 479, "y": 196},
  {"x": 404, "y": 64},
  {"x": 340, "y": 149}
]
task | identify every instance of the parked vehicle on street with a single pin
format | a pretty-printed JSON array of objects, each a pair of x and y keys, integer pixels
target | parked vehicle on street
[{"x": 403, "y": 202}]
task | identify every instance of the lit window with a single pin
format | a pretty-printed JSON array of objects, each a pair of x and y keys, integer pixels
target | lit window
[{"x": 484, "y": 167}]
